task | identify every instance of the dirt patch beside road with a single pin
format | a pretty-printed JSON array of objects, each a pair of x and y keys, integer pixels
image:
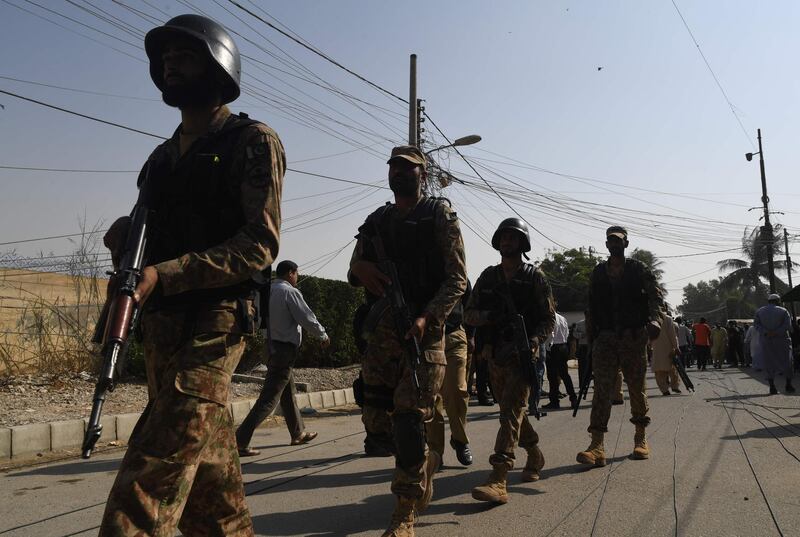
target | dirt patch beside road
[{"x": 43, "y": 398}]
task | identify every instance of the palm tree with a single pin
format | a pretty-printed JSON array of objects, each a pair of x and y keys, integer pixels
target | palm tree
[
  {"x": 652, "y": 262},
  {"x": 749, "y": 274}
]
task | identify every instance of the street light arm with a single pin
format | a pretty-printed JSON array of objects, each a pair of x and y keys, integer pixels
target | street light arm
[{"x": 464, "y": 140}]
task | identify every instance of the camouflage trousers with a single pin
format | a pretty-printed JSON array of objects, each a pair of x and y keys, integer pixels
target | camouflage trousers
[
  {"x": 453, "y": 399},
  {"x": 182, "y": 468},
  {"x": 511, "y": 390},
  {"x": 386, "y": 368},
  {"x": 611, "y": 353}
]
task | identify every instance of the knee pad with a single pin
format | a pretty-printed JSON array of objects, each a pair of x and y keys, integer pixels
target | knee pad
[{"x": 409, "y": 439}]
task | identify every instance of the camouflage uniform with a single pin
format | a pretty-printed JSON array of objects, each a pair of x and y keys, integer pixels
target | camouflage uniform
[
  {"x": 534, "y": 300},
  {"x": 181, "y": 468},
  {"x": 619, "y": 310},
  {"x": 387, "y": 376}
]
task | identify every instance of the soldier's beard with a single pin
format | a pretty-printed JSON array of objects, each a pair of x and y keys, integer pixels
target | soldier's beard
[
  {"x": 198, "y": 92},
  {"x": 616, "y": 251},
  {"x": 404, "y": 185}
]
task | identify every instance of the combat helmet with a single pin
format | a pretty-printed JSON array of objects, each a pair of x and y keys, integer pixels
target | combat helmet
[
  {"x": 517, "y": 224},
  {"x": 222, "y": 51}
]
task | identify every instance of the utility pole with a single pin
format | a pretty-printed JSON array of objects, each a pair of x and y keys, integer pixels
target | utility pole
[
  {"x": 420, "y": 121},
  {"x": 413, "y": 112},
  {"x": 788, "y": 266},
  {"x": 767, "y": 228}
]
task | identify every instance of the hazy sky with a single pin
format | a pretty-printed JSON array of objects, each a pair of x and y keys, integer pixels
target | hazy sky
[{"x": 613, "y": 94}]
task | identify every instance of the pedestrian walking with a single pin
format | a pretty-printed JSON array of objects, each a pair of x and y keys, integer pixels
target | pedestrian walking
[
  {"x": 288, "y": 316},
  {"x": 665, "y": 346},
  {"x": 624, "y": 314},
  {"x": 719, "y": 345},
  {"x": 702, "y": 343},
  {"x": 557, "y": 370},
  {"x": 735, "y": 344},
  {"x": 684, "y": 342},
  {"x": 419, "y": 237},
  {"x": 773, "y": 324},
  {"x": 214, "y": 190},
  {"x": 502, "y": 293},
  {"x": 752, "y": 341},
  {"x": 453, "y": 398}
]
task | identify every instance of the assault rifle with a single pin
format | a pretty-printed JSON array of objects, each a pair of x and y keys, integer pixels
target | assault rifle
[
  {"x": 587, "y": 377},
  {"x": 526, "y": 362},
  {"x": 678, "y": 362},
  {"x": 523, "y": 347},
  {"x": 119, "y": 316},
  {"x": 400, "y": 312}
]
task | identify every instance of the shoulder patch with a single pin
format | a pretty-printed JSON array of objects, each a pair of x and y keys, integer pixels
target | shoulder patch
[
  {"x": 257, "y": 150},
  {"x": 452, "y": 216}
]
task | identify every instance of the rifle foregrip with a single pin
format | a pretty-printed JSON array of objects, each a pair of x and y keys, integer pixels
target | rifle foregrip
[{"x": 119, "y": 321}]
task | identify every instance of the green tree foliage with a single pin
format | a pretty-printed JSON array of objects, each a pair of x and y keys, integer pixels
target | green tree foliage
[
  {"x": 750, "y": 273},
  {"x": 650, "y": 260},
  {"x": 568, "y": 273},
  {"x": 334, "y": 302},
  {"x": 710, "y": 299}
]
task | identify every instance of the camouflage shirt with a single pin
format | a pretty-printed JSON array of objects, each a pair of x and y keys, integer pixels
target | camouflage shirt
[
  {"x": 448, "y": 241},
  {"x": 257, "y": 165}
]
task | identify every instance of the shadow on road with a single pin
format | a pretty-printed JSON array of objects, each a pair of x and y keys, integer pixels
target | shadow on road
[{"x": 72, "y": 468}]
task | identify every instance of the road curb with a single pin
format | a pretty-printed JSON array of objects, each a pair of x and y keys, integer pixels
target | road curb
[{"x": 37, "y": 438}]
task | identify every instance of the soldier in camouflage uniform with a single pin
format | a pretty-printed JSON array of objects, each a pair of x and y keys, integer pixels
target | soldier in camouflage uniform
[
  {"x": 510, "y": 288},
  {"x": 624, "y": 313},
  {"x": 421, "y": 236},
  {"x": 215, "y": 189}
]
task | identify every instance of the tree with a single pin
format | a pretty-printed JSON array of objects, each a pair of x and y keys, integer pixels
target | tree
[
  {"x": 750, "y": 273},
  {"x": 702, "y": 300},
  {"x": 710, "y": 300},
  {"x": 568, "y": 273},
  {"x": 650, "y": 260}
]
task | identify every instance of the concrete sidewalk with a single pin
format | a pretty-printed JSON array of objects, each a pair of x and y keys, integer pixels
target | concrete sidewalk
[
  {"x": 36, "y": 439},
  {"x": 725, "y": 461}
]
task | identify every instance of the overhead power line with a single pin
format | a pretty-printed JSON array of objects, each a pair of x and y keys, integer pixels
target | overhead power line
[
  {"x": 476, "y": 172},
  {"x": 54, "y": 107},
  {"x": 77, "y": 90},
  {"x": 318, "y": 52},
  {"x": 716, "y": 79},
  {"x": 54, "y": 237}
]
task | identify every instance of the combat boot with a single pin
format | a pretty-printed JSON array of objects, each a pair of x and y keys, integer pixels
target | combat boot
[
  {"x": 534, "y": 464},
  {"x": 402, "y": 524},
  {"x": 640, "y": 449},
  {"x": 594, "y": 454},
  {"x": 494, "y": 490}
]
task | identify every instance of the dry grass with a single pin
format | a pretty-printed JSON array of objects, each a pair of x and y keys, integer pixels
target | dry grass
[{"x": 47, "y": 319}]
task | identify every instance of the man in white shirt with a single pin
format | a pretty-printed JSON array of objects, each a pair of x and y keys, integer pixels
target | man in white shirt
[
  {"x": 557, "y": 356},
  {"x": 684, "y": 341},
  {"x": 288, "y": 312}
]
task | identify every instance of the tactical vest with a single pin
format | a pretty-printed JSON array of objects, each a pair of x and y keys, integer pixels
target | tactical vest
[
  {"x": 196, "y": 205},
  {"x": 493, "y": 290},
  {"x": 627, "y": 308},
  {"x": 410, "y": 244}
]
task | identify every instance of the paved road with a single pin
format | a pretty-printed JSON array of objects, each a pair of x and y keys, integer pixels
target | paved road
[{"x": 726, "y": 460}]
